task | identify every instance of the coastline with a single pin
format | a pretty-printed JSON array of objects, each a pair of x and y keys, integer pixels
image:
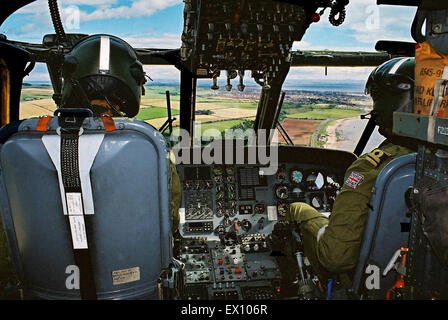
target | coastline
[
  {"x": 343, "y": 134},
  {"x": 335, "y": 140}
]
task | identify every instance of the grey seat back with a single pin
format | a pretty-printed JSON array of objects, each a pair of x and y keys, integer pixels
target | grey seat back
[
  {"x": 129, "y": 233},
  {"x": 387, "y": 226}
]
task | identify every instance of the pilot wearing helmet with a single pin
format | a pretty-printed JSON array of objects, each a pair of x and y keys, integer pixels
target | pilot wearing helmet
[
  {"x": 101, "y": 73},
  {"x": 333, "y": 244}
]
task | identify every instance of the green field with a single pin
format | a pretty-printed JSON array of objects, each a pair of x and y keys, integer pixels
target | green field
[
  {"x": 154, "y": 113},
  {"x": 161, "y": 90},
  {"x": 243, "y": 105},
  {"x": 220, "y": 125},
  {"x": 31, "y": 95},
  {"x": 321, "y": 112}
]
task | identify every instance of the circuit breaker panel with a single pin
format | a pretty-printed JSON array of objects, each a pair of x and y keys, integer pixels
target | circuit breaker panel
[{"x": 240, "y": 35}]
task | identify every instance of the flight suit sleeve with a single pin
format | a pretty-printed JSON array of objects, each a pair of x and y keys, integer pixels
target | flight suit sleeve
[
  {"x": 175, "y": 195},
  {"x": 312, "y": 223},
  {"x": 339, "y": 246},
  {"x": 309, "y": 218}
]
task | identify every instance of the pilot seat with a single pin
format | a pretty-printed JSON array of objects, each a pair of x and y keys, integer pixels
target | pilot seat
[
  {"x": 386, "y": 230},
  {"x": 102, "y": 231}
]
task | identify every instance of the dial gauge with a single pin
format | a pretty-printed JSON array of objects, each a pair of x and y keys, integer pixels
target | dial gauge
[
  {"x": 296, "y": 176},
  {"x": 230, "y": 171},
  {"x": 317, "y": 202},
  {"x": 217, "y": 171},
  {"x": 217, "y": 179},
  {"x": 297, "y": 191},
  {"x": 333, "y": 180},
  {"x": 260, "y": 208},
  {"x": 198, "y": 185},
  {"x": 220, "y": 230},
  {"x": 314, "y": 180},
  {"x": 219, "y": 212},
  {"x": 282, "y": 209},
  {"x": 281, "y": 176},
  {"x": 246, "y": 225},
  {"x": 187, "y": 185},
  {"x": 282, "y": 192},
  {"x": 231, "y": 212}
]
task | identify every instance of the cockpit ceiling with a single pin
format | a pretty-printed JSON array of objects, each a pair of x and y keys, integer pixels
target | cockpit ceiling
[
  {"x": 9, "y": 7},
  {"x": 400, "y": 2}
]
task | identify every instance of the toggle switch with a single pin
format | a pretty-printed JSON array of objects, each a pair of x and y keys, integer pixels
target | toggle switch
[
  {"x": 241, "y": 85},
  {"x": 215, "y": 84}
]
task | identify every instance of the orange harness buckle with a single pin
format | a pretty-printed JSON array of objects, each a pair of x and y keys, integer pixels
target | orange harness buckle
[
  {"x": 108, "y": 122},
  {"x": 43, "y": 123}
]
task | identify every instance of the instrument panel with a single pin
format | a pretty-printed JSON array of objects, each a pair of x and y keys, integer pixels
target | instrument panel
[
  {"x": 240, "y": 198},
  {"x": 231, "y": 218}
]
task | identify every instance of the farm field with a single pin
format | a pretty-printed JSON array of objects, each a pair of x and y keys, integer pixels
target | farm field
[{"x": 303, "y": 113}]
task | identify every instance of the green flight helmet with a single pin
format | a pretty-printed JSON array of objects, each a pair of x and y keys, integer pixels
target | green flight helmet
[
  {"x": 391, "y": 86},
  {"x": 103, "y": 67}
]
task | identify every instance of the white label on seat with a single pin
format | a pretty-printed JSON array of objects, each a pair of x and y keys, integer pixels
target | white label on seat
[
  {"x": 78, "y": 230},
  {"x": 125, "y": 275},
  {"x": 74, "y": 203}
]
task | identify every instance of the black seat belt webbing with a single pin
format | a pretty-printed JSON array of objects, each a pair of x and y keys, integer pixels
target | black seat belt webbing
[{"x": 76, "y": 218}]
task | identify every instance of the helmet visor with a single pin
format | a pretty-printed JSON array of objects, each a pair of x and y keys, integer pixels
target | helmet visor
[{"x": 393, "y": 85}]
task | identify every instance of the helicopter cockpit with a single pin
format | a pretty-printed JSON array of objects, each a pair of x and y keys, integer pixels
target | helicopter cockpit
[{"x": 237, "y": 177}]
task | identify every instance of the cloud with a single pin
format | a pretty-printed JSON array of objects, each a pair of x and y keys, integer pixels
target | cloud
[
  {"x": 32, "y": 21},
  {"x": 305, "y": 45},
  {"x": 162, "y": 73},
  {"x": 336, "y": 73},
  {"x": 367, "y": 22},
  {"x": 139, "y": 8},
  {"x": 89, "y": 2},
  {"x": 165, "y": 41},
  {"x": 38, "y": 6}
]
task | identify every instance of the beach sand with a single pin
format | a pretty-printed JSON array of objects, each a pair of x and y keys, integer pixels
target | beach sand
[{"x": 343, "y": 134}]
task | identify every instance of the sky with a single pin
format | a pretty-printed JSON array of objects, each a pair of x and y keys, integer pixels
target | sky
[{"x": 159, "y": 23}]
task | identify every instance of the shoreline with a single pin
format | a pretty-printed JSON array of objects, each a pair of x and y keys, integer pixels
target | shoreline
[
  {"x": 333, "y": 142},
  {"x": 344, "y": 134}
]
